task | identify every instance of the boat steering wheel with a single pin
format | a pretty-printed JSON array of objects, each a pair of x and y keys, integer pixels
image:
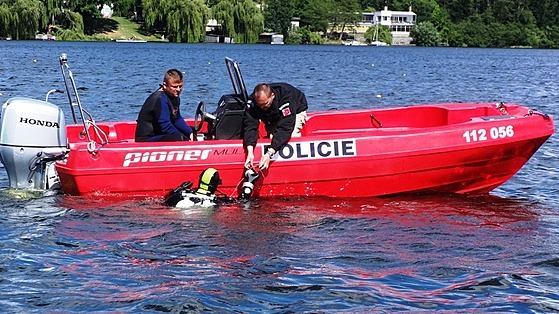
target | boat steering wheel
[{"x": 199, "y": 116}]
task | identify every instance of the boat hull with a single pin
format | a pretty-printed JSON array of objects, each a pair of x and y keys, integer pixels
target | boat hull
[{"x": 457, "y": 148}]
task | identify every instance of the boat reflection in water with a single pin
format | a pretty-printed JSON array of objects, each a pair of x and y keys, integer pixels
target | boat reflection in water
[{"x": 436, "y": 249}]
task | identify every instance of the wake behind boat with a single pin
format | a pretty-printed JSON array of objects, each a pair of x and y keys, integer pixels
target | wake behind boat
[{"x": 458, "y": 148}]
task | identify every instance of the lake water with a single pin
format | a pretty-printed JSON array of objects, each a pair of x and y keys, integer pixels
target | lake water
[{"x": 493, "y": 253}]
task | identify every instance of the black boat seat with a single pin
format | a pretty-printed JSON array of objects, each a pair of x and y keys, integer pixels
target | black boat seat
[{"x": 229, "y": 118}]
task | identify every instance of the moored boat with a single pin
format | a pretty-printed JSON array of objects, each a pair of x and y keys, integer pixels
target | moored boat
[
  {"x": 131, "y": 40},
  {"x": 458, "y": 148},
  {"x": 353, "y": 43},
  {"x": 378, "y": 43}
]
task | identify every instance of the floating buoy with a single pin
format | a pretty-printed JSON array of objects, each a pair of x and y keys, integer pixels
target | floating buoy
[{"x": 35, "y": 60}]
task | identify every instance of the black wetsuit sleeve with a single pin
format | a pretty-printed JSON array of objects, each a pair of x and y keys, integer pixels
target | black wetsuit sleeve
[
  {"x": 164, "y": 116},
  {"x": 181, "y": 125}
]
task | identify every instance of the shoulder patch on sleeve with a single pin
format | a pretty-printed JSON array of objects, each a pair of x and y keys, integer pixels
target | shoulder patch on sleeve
[{"x": 285, "y": 111}]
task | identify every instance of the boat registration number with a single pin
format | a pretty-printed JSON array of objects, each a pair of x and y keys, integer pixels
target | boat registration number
[{"x": 483, "y": 135}]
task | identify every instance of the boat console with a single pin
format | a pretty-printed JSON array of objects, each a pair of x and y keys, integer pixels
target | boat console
[
  {"x": 227, "y": 121},
  {"x": 229, "y": 118}
]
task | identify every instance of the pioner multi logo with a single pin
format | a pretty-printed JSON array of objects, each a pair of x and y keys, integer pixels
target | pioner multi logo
[
  {"x": 317, "y": 150},
  {"x": 160, "y": 157}
]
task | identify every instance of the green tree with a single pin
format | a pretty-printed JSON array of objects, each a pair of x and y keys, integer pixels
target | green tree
[
  {"x": 89, "y": 10},
  {"x": 316, "y": 15},
  {"x": 224, "y": 13},
  {"x": 28, "y": 17},
  {"x": 470, "y": 33},
  {"x": 278, "y": 15},
  {"x": 345, "y": 12},
  {"x": 384, "y": 34},
  {"x": 441, "y": 20},
  {"x": 183, "y": 20},
  {"x": 240, "y": 19},
  {"x": 422, "y": 8},
  {"x": 71, "y": 21},
  {"x": 53, "y": 9},
  {"x": 303, "y": 36},
  {"x": 186, "y": 20},
  {"x": 459, "y": 10},
  {"x": 154, "y": 13},
  {"x": 425, "y": 34},
  {"x": 550, "y": 37},
  {"x": 125, "y": 8},
  {"x": 7, "y": 23},
  {"x": 374, "y": 5},
  {"x": 545, "y": 12}
]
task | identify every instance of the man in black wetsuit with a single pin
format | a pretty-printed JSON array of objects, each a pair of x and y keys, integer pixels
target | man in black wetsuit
[
  {"x": 160, "y": 117},
  {"x": 283, "y": 109}
]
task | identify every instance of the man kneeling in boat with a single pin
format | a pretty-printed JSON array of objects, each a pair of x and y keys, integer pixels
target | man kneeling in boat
[
  {"x": 283, "y": 109},
  {"x": 160, "y": 117}
]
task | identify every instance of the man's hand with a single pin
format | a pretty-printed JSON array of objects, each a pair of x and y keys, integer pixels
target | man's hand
[
  {"x": 250, "y": 157},
  {"x": 264, "y": 162},
  {"x": 266, "y": 158}
]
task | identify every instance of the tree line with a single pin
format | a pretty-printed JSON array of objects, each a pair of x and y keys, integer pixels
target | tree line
[{"x": 457, "y": 23}]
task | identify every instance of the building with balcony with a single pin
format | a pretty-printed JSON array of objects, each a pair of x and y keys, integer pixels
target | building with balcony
[{"x": 399, "y": 22}]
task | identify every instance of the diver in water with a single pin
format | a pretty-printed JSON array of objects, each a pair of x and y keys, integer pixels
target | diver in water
[{"x": 203, "y": 196}]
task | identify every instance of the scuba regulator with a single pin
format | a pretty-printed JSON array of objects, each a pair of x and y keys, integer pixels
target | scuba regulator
[{"x": 251, "y": 177}]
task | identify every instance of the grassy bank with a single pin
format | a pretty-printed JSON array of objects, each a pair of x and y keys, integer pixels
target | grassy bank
[{"x": 126, "y": 29}]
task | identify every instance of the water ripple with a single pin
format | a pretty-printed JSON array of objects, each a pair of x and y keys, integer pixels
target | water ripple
[{"x": 444, "y": 253}]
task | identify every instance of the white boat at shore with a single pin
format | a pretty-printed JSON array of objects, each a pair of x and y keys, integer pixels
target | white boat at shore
[
  {"x": 43, "y": 36},
  {"x": 354, "y": 43},
  {"x": 131, "y": 40},
  {"x": 375, "y": 41},
  {"x": 378, "y": 43}
]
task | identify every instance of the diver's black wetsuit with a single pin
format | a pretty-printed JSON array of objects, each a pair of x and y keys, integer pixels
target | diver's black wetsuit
[
  {"x": 160, "y": 120},
  {"x": 280, "y": 117}
]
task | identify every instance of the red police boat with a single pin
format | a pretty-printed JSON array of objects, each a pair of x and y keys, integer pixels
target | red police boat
[{"x": 458, "y": 148}]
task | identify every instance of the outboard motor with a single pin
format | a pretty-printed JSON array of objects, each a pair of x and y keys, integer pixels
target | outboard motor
[{"x": 32, "y": 137}]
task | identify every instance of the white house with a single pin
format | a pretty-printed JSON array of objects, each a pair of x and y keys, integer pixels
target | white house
[{"x": 399, "y": 22}]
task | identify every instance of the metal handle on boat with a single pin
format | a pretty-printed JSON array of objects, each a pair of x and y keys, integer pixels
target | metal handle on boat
[
  {"x": 63, "y": 66},
  {"x": 53, "y": 91},
  {"x": 67, "y": 73},
  {"x": 68, "y": 76},
  {"x": 236, "y": 78},
  {"x": 532, "y": 112},
  {"x": 373, "y": 119}
]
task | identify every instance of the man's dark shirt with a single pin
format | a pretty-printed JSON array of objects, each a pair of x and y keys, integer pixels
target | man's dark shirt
[{"x": 288, "y": 102}]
